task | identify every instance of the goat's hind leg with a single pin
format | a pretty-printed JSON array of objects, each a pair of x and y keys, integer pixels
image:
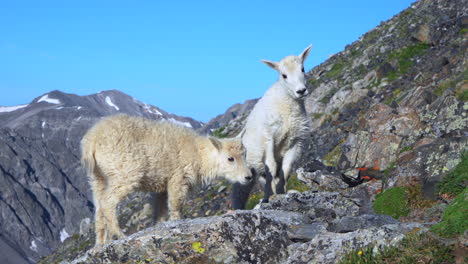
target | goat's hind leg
[{"x": 160, "y": 207}]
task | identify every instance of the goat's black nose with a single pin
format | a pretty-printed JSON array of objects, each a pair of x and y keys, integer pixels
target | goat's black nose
[
  {"x": 302, "y": 91},
  {"x": 249, "y": 178}
]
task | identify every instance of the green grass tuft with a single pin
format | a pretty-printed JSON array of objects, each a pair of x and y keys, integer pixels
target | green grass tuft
[
  {"x": 335, "y": 70},
  {"x": 404, "y": 58},
  {"x": 219, "y": 133},
  {"x": 317, "y": 115},
  {"x": 254, "y": 199},
  {"x": 462, "y": 95},
  {"x": 444, "y": 86},
  {"x": 406, "y": 148},
  {"x": 399, "y": 201},
  {"x": 392, "y": 202},
  {"x": 414, "y": 248},
  {"x": 295, "y": 184},
  {"x": 456, "y": 180},
  {"x": 454, "y": 220}
]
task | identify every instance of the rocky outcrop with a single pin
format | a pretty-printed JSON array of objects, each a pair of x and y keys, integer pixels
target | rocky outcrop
[
  {"x": 294, "y": 228},
  {"x": 44, "y": 192}
]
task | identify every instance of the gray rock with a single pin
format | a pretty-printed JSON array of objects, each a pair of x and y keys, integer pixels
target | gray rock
[
  {"x": 324, "y": 206},
  {"x": 306, "y": 232},
  {"x": 329, "y": 247},
  {"x": 242, "y": 237},
  {"x": 321, "y": 179},
  {"x": 353, "y": 223}
]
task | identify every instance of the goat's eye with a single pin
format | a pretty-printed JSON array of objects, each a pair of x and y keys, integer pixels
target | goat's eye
[
  {"x": 284, "y": 76},
  {"x": 231, "y": 159},
  {"x": 302, "y": 69}
]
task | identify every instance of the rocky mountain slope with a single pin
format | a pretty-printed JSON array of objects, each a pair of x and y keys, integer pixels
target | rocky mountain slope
[
  {"x": 390, "y": 110},
  {"x": 235, "y": 112},
  {"x": 44, "y": 193},
  {"x": 394, "y": 101}
]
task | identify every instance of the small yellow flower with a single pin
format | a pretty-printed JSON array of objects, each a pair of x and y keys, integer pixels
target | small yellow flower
[
  {"x": 360, "y": 252},
  {"x": 197, "y": 246}
]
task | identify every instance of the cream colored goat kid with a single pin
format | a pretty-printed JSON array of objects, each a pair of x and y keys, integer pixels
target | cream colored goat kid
[
  {"x": 123, "y": 154},
  {"x": 276, "y": 128}
]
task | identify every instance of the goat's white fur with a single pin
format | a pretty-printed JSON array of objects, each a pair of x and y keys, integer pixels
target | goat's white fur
[
  {"x": 276, "y": 128},
  {"x": 123, "y": 154}
]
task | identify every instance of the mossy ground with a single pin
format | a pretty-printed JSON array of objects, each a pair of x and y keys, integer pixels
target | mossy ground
[
  {"x": 414, "y": 248},
  {"x": 400, "y": 201},
  {"x": 456, "y": 180},
  {"x": 295, "y": 184},
  {"x": 455, "y": 218},
  {"x": 392, "y": 202}
]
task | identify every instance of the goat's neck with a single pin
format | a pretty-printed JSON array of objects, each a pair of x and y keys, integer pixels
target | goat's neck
[{"x": 208, "y": 170}]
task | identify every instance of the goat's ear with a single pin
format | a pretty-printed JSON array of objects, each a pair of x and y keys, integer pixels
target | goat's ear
[
  {"x": 271, "y": 64},
  {"x": 305, "y": 53},
  {"x": 216, "y": 143}
]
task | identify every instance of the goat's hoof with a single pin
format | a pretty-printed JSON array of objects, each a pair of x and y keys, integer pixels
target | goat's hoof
[{"x": 97, "y": 248}]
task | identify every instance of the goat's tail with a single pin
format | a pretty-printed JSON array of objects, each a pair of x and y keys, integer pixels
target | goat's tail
[{"x": 88, "y": 160}]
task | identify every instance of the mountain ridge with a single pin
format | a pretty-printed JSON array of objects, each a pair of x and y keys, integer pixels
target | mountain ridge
[{"x": 39, "y": 164}]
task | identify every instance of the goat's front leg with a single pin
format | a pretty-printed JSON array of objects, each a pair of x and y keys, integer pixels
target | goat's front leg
[
  {"x": 288, "y": 161},
  {"x": 270, "y": 161},
  {"x": 177, "y": 192},
  {"x": 270, "y": 170}
]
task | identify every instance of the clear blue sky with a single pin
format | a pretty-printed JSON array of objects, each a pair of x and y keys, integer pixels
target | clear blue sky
[{"x": 192, "y": 58}]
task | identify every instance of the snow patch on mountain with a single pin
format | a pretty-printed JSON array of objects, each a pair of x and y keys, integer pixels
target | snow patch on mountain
[
  {"x": 152, "y": 110},
  {"x": 64, "y": 235},
  {"x": 46, "y": 99},
  {"x": 33, "y": 246},
  {"x": 186, "y": 124},
  {"x": 109, "y": 102},
  {"x": 11, "y": 108}
]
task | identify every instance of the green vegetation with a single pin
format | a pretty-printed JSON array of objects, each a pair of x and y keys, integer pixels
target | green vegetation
[
  {"x": 389, "y": 168},
  {"x": 462, "y": 95},
  {"x": 326, "y": 99},
  {"x": 454, "y": 220},
  {"x": 463, "y": 31},
  {"x": 254, "y": 199},
  {"x": 332, "y": 158},
  {"x": 456, "y": 180},
  {"x": 312, "y": 81},
  {"x": 404, "y": 58},
  {"x": 84, "y": 245},
  {"x": 392, "y": 202},
  {"x": 335, "y": 70},
  {"x": 414, "y": 248},
  {"x": 457, "y": 83},
  {"x": 406, "y": 148},
  {"x": 219, "y": 133},
  {"x": 399, "y": 201},
  {"x": 317, "y": 115},
  {"x": 393, "y": 97},
  {"x": 416, "y": 199},
  {"x": 295, "y": 184},
  {"x": 444, "y": 86}
]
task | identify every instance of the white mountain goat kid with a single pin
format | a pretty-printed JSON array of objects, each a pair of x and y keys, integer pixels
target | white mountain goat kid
[
  {"x": 276, "y": 129},
  {"x": 123, "y": 154}
]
